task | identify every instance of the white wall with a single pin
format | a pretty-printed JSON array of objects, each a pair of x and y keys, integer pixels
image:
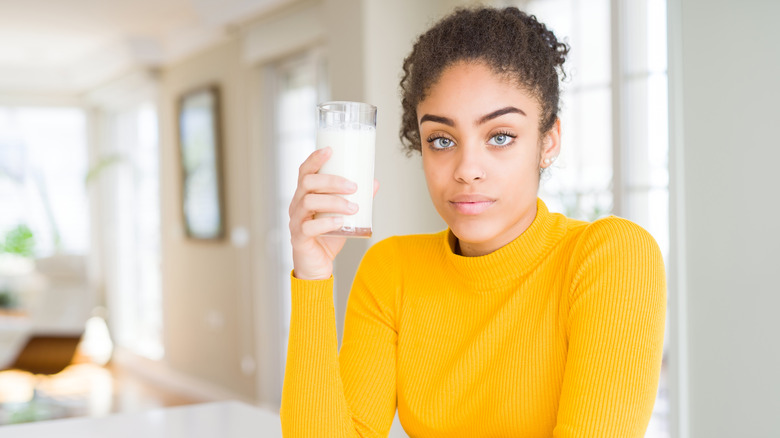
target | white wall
[
  {"x": 724, "y": 69},
  {"x": 207, "y": 303}
]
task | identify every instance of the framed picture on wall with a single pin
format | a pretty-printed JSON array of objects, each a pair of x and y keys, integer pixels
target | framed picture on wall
[{"x": 201, "y": 163}]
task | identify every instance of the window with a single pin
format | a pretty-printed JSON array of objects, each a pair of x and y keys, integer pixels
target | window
[
  {"x": 579, "y": 184},
  {"x": 299, "y": 87},
  {"x": 132, "y": 237},
  {"x": 614, "y": 157},
  {"x": 43, "y": 166}
]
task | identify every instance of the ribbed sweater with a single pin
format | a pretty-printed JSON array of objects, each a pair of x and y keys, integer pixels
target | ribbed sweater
[{"x": 557, "y": 334}]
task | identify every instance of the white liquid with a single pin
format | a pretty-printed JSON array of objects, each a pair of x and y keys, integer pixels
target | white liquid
[{"x": 353, "y": 159}]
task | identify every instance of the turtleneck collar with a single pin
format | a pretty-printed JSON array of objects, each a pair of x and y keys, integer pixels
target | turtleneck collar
[{"x": 514, "y": 259}]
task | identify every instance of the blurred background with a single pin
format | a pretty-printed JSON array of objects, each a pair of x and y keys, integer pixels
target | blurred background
[{"x": 149, "y": 149}]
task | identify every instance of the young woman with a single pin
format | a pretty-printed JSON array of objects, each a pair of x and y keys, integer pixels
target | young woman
[{"x": 512, "y": 322}]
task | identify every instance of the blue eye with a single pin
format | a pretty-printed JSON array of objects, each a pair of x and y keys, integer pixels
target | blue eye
[
  {"x": 441, "y": 143},
  {"x": 501, "y": 139}
]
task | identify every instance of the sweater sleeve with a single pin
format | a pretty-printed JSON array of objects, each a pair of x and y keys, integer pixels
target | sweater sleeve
[
  {"x": 615, "y": 327},
  {"x": 351, "y": 394}
]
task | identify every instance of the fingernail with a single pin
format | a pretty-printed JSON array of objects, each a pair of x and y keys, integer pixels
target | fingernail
[
  {"x": 352, "y": 206},
  {"x": 349, "y": 185}
]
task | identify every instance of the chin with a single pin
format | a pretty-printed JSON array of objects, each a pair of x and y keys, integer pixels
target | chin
[{"x": 473, "y": 231}]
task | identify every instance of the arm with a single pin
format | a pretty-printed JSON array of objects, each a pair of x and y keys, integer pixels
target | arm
[
  {"x": 313, "y": 397},
  {"x": 615, "y": 326},
  {"x": 351, "y": 395}
]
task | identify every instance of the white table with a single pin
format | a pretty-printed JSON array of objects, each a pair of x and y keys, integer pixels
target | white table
[{"x": 210, "y": 420}]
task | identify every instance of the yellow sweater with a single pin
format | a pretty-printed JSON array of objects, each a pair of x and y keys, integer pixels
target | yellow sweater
[{"x": 557, "y": 334}]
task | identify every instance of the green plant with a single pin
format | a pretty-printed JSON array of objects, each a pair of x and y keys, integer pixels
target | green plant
[
  {"x": 8, "y": 299},
  {"x": 20, "y": 241},
  {"x": 102, "y": 165}
]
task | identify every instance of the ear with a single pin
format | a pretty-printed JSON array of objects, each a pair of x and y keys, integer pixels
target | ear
[{"x": 551, "y": 144}]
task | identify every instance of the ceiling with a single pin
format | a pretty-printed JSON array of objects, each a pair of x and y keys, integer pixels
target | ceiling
[{"x": 68, "y": 46}]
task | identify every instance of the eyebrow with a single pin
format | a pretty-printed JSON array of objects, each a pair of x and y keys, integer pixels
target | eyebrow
[
  {"x": 437, "y": 119},
  {"x": 499, "y": 113},
  {"x": 449, "y": 122}
]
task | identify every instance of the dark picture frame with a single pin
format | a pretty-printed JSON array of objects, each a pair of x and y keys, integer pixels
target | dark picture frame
[{"x": 200, "y": 149}]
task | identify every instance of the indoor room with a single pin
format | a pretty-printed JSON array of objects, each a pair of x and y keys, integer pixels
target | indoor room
[{"x": 150, "y": 152}]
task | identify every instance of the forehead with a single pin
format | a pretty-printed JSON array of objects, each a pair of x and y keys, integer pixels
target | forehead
[{"x": 466, "y": 90}]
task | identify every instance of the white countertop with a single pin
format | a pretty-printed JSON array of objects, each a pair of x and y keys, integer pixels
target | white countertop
[{"x": 211, "y": 420}]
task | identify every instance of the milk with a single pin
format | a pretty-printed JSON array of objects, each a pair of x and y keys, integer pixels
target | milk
[{"x": 353, "y": 159}]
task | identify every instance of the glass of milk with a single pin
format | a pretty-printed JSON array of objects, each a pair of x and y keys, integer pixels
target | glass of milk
[{"x": 349, "y": 128}]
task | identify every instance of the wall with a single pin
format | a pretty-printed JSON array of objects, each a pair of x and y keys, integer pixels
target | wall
[
  {"x": 402, "y": 205},
  {"x": 207, "y": 285},
  {"x": 724, "y": 66}
]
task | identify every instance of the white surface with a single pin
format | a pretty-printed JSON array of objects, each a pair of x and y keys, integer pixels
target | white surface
[
  {"x": 211, "y": 420},
  {"x": 727, "y": 56},
  {"x": 283, "y": 34},
  {"x": 68, "y": 46}
]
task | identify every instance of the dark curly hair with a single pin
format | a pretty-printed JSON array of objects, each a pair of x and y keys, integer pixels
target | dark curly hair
[{"x": 510, "y": 42}]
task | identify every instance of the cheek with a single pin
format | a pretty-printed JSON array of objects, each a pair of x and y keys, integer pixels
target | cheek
[
  {"x": 432, "y": 175},
  {"x": 517, "y": 171},
  {"x": 430, "y": 165},
  {"x": 436, "y": 175}
]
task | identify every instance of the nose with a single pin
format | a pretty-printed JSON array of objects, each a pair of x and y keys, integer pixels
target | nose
[{"x": 470, "y": 166}]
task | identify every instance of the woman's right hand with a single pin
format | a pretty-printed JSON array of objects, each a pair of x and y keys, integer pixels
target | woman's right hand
[{"x": 313, "y": 254}]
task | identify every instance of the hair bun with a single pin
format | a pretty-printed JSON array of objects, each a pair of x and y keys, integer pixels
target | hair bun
[
  {"x": 557, "y": 50},
  {"x": 511, "y": 42}
]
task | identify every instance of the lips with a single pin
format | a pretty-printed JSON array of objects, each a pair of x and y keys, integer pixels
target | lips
[{"x": 471, "y": 204}]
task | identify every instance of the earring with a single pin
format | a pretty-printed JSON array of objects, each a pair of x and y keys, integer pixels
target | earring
[{"x": 547, "y": 161}]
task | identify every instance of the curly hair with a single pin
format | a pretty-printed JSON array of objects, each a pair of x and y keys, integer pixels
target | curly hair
[{"x": 510, "y": 42}]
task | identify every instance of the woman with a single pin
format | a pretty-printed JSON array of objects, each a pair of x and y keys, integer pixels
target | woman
[{"x": 513, "y": 322}]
